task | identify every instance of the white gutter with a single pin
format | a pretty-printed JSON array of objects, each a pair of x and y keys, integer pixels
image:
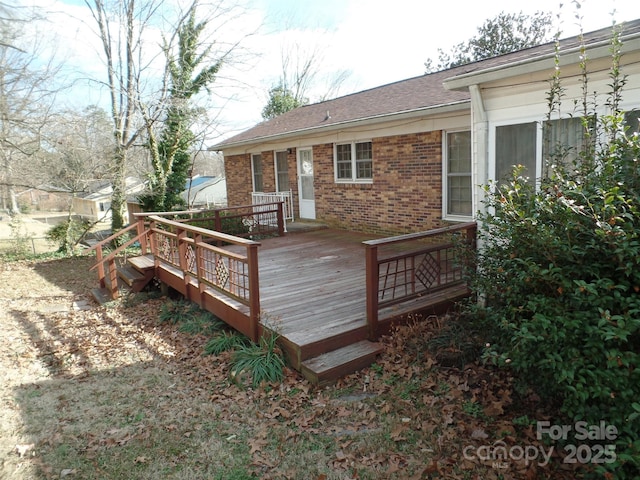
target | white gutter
[{"x": 530, "y": 65}]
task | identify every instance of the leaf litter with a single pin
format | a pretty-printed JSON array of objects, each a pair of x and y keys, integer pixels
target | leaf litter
[{"x": 111, "y": 392}]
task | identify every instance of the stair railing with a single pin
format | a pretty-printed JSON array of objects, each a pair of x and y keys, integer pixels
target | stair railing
[{"x": 106, "y": 265}]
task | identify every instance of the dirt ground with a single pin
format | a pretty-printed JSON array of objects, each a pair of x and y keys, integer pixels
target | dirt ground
[{"x": 110, "y": 392}]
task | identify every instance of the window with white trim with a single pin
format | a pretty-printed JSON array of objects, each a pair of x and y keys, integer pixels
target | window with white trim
[
  {"x": 256, "y": 172},
  {"x": 563, "y": 140},
  {"x": 353, "y": 162},
  {"x": 516, "y": 145},
  {"x": 530, "y": 144},
  {"x": 282, "y": 171},
  {"x": 458, "y": 189}
]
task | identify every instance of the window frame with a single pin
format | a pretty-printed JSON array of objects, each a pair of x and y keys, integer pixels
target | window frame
[
  {"x": 253, "y": 171},
  {"x": 446, "y": 215},
  {"x": 277, "y": 172},
  {"x": 492, "y": 164},
  {"x": 354, "y": 161}
]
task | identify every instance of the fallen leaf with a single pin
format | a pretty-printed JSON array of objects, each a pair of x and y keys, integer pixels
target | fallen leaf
[
  {"x": 479, "y": 433},
  {"x": 494, "y": 409}
]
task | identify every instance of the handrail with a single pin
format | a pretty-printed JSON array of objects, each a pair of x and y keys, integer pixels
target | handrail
[
  {"x": 120, "y": 248},
  {"x": 110, "y": 238},
  {"x": 419, "y": 235},
  {"x": 203, "y": 231},
  {"x": 411, "y": 274}
]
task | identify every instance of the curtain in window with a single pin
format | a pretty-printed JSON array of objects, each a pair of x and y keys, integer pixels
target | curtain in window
[{"x": 516, "y": 145}]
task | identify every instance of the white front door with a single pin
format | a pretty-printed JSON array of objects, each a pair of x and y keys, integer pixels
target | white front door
[{"x": 305, "y": 184}]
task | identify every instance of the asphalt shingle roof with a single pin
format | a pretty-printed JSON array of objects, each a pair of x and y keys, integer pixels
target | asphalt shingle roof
[{"x": 414, "y": 94}]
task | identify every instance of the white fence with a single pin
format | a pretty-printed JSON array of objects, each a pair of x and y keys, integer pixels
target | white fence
[{"x": 258, "y": 198}]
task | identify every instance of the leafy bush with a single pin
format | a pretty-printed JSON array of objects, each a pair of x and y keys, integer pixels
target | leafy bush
[
  {"x": 559, "y": 270},
  {"x": 68, "y": 234}
]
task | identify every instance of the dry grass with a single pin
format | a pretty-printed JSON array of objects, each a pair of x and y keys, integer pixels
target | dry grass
[{"x": 112, "y": 393}]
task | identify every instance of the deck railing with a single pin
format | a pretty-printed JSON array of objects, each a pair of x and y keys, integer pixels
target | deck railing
[
  {"x": 261, "y": 198},
  {"x": 246, "y": 221},
  {"x": 210, "y": 275},
  {"x": 405, "y": 267}
]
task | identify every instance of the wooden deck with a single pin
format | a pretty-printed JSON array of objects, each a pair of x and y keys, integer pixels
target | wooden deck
[{"x": 312, "y": 289}]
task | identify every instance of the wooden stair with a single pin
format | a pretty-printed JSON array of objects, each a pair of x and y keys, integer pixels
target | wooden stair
[
  {"x": 329, "y": 367},
  {"x": 135, "y": 275}
]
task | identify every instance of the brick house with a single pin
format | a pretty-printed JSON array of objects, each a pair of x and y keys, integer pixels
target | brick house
[{"x": 412, "y": 155}]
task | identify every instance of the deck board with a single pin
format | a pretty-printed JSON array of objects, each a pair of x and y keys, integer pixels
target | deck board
[{"x": 312, "y": 285}]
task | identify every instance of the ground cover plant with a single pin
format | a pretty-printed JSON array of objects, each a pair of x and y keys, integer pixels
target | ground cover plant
[{"x": 123, "y": 391}]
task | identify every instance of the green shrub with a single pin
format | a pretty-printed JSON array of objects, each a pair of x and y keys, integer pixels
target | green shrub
[
  {"x": 68, "y": 234},
  {"x": 559, "y": 271},
  {"x": 224, "y": 342},
  {"x": 258, "y": 363}
]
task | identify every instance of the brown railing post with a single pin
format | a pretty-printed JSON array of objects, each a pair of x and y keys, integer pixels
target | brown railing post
[
  {"x": 254, "y": 291},
  {"x": 100, "y": 265},
  {"x": 182, "y": 259},
  {"x": 281, "y": 220},
  {"x": 218, "y": 221},
  {"x": 199, "y": 266},
  {"x": 371, "y": 262},
  {"x": 113, "y": 279},
  {"x": 143, "y": 240}
]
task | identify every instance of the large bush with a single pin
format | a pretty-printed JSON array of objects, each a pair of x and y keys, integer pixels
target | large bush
[{"x": 559, "y": 272}]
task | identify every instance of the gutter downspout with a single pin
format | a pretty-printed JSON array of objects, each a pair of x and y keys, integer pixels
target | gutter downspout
[
  {"x": 480, "y": 142},
  {"x": 479, "y": 158}
]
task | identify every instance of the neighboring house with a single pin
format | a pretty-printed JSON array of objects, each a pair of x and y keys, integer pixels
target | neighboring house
[
  {"x": 95, "y": 205},
  {"x": 205, "y": 192},
  {"x": 45, "y": 199},
  {"x": 411, "y": 156}
]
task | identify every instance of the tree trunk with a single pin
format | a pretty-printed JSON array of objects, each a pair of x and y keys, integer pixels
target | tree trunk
[{"x": 119, "y": 194}]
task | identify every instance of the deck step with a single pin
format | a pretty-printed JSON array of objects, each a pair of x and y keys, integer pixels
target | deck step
[
  {"x": 142, "y": 263},
  {"x": 331, "y": 366},
  {"x": 130, "y": 275},
  {"x": 134, "y": 278},
  {"x": 102, "y": 295}
]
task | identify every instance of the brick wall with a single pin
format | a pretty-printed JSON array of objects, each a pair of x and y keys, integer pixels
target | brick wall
[
  {"x": 240, "y": 184},
  {"x": 405, "y": 195}
]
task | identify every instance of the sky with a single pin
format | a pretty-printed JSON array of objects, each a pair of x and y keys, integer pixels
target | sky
[{"x": 369, "y": 42}]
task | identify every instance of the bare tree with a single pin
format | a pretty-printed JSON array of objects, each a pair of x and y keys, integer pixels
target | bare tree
[
  {"x": 139, "y": 72},
  {"x": 121, "y": 28},
  {"x": 76, "y": 144},
  {"x": 27, "y": 96},
  {"x": 299, "y": 77}
]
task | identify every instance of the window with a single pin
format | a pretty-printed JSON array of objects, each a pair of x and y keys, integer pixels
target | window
[
  {"x": 458, "y": 174},
  {"x": 516, "y": 145},
  {"x": 563, "y": 140},
  {"x": 354, "y": 162},
  {"x": 282, "y": 171},
  {"x": 632, "y": 121},
  {"x": 256, "y": 169}
]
